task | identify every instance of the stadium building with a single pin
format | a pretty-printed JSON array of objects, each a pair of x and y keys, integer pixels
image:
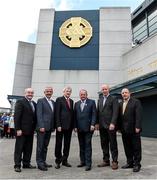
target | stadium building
[{"x": 84, "y": 49}]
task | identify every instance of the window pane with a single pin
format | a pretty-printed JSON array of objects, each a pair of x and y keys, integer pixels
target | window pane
[
  {"x": 152, "y": 21},
  {"x": 140, "y": 25},
  {"x": 141, "y": 36},
  {"x": 152, "y": 15},
  {"x": 141, "y": 30}
]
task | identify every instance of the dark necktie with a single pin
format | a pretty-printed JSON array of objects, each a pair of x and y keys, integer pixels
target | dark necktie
[{"x": 68, "y": 102}]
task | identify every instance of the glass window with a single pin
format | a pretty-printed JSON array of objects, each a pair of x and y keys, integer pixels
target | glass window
[
  {"x": 153, "y": 27},
  {"x": 139, "y": 25},
  {"x": 152, "y": 21},
  {"x": 152, "y": 15},
  {"x": 139, "y": 31},
  {"x": 141, "y": 36}
]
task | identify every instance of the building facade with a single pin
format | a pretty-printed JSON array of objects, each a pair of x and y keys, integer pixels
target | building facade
[{"x": 121, "y": 51}]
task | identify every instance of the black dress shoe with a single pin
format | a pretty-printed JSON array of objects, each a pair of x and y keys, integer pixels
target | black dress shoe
[
  {"x": 66, "y": 164},
  {"x": 136, "y": 168},
  {"x": 29, "y": 166},
  {"x": 17, "y": 169},
  {"x": 81, "y": 165},
  {"x": 88, "y": 168},
  {"x": 42, "y": 168},
  {"x": 57, "y": 166},
  {"x": 48, "y": 165},
  {"x": 127, "y": 166}
]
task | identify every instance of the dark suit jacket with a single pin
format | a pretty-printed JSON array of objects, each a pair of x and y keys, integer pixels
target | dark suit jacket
[
  {"x": 25, "y": 118},
  {"x": 45, "y": 115},
  {"x": 108, "y": 113},
  {"x": 64, "y": 114},
  {"x": 132, "y": 117},
  {"x": 84, "y": 119}
]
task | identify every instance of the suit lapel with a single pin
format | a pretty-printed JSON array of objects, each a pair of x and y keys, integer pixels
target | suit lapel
[
  {"x": 28, "y": 105},
  {"x": 46, "y": 102}
]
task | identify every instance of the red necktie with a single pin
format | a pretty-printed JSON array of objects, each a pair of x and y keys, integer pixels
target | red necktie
[{"x": 68, "y": 102}]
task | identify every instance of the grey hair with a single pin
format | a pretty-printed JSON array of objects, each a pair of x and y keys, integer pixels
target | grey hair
[{"x": 67, "y": 88}]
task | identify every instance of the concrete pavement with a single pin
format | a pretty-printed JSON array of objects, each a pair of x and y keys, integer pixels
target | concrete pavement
[{"x": 148, "y": 170}]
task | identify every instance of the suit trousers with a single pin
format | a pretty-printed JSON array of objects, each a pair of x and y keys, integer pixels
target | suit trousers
[
  {"x": 23, "y": 150},
  {"x": 62, "y": 157},
  {"x": 132, "y": 148},
  {"x": 85, "y": 143},
  {"x": 108, "y": 140},
  {"x": 43, "y": 139}
]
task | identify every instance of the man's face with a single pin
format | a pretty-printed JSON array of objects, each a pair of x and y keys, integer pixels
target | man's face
[
  {"x": 48, "y": 92},
  {"x": 105, "y": 90},
  {"x": 67, "y": 93},
  {"x": 29, "y": 93},
  {"x": 125, "y": 94},
  {"x": 83, "y": 95}
]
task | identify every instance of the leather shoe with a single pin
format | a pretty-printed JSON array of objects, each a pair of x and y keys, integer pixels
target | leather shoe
[
  {"x": 114, "y": 165},
  {"x": 29, "y": 166},
  {"x": 66, "y": 164},
  {"x": 17, "y": 169},
  {"x": 127, "y": 166},
  {"x": 88, "y": 168},
  {"x": 81, "y": 165},
  {"x": 104, "y": 164},
  {"x": 136, "y": 168},
  {"x": 57, "y": 166},
  {"x": 42, "y": 168},
  {"x": 48, "y": 165}
]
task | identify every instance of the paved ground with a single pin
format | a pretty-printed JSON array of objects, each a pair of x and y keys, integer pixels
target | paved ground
[{"x": 148, "y": 171}]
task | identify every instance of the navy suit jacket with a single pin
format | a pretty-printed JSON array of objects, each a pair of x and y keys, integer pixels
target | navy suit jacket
[
  {"x": 84, "y": 119},
  {"x": 45, "y": 115}
]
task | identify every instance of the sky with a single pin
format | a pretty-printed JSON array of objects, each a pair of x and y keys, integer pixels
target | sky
[{"x": 19, "y": 21}]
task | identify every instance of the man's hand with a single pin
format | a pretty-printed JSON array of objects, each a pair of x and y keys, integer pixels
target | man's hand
[
  {"x": 59, "y": 129},
  {"x": 137, "y": 130},
  {"x": 75, "y": 129},
  {"x": 97, "y": 127},
  {"x": 92, "y": 128},
  {"x": 42, "y": 130},
  {"x": 19, "y": 132},
  {"x": 111, "y": 127}
]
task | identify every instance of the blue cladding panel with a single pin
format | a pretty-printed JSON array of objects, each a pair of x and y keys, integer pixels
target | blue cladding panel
[{"x": 84, "y": 58}]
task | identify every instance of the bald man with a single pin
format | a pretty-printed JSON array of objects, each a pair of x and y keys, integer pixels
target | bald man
[
  {"x": 25, "y": 123},
  {"x": 130, "y": 126},
  {"x": 107, "y": 114}
]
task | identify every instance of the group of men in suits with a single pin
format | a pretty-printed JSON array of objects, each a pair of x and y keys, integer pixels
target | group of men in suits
[{"x": 83, "y": 117}]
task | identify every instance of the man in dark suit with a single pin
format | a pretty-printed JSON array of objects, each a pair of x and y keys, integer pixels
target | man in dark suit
[
  {"x": 85, "y": 119},
  {"x": 45, "y": 125},
  {"x": 130, "y": 126},
  {"x": 25, "y": 123},
  {"x": 64, "y": 124},
  {"x": 107, "y": 114}
]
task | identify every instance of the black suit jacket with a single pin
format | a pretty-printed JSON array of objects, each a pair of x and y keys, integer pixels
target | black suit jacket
[
  {"x": 25, "y": 118},
  {"x": 108, "y": 113},
  {"x": 84, "y": 119},
  {"x": 45, "y": 115},
  {"x": 64, "y": 114},
  {"x": 132, "y": 117}
]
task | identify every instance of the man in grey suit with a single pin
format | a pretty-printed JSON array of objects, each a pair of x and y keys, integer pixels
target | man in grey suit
[
  {"x": 107, "y": 114},
  {"x": 85, "y": 119},
  {"x": 45, "y": 125}
]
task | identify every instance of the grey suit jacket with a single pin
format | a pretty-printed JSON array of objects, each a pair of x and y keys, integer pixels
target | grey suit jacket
[{"x": 45, "y": 115}]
